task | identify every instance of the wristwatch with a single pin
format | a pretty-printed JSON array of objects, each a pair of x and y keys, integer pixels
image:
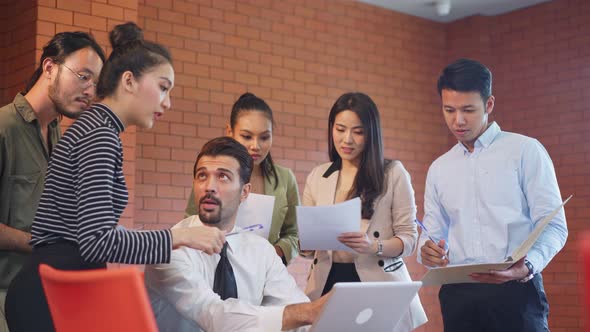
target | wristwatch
[
  {"x": 379, "y": 252},
  {"x": 531, "y": 274}
]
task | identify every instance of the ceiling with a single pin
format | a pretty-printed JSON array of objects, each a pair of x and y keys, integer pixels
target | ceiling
[{"x": 458, "y": 8}]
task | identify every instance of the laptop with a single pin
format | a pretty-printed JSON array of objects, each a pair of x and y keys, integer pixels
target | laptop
[{"x": 366, "y": 306}]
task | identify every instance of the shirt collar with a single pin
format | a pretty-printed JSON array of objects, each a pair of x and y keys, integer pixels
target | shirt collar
[
  {"x": 485, "y": 139},
  {"x": 336, "y": 165},
  {"x": 233, "y": 239},
  {"x": 111, "y": 116},
  {"x": 26, "y": 110},
  {"x": 195, "y": 221}
]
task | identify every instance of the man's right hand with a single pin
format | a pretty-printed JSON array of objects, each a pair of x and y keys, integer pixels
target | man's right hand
[
  {"x": 301, "y": 314},
  {"x": 205, "y": 238},
  {"x": 434, "y": 255}
]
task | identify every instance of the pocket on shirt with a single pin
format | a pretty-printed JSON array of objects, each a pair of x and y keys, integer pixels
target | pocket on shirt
[
  {"x": 24, "y": 198},
  {"x": 500, "y": 185}
]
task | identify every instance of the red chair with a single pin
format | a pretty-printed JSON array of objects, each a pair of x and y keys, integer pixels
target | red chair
[
  {"x": 584, "y": 247},
  {"x": 97, "y": 300}
]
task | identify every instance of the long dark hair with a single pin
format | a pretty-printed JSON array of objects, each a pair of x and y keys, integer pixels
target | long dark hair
[
  {"x": 248, "y": 102},
  {"x": 130, "y": 53},
  {"x": 369, "y": 181},
  {"x": 60, "y": 47}
]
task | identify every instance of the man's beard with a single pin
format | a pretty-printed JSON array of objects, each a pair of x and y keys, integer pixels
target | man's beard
[
  {"x": 60, "y": 106},
  {"x": 210, "y": 217}
]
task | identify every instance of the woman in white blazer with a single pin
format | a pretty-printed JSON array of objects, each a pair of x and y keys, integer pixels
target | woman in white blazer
[{"x": 358, "y": 169}]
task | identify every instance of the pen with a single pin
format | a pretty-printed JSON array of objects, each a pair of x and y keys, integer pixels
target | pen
[
  {"x": 250, "y": 228},
  {"x": 425, "y": 231}
]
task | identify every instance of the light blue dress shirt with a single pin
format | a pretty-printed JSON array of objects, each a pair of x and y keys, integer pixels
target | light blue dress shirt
[{"x": 486, "y": 202}]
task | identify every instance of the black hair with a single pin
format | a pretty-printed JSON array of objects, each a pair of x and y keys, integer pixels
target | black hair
[
  {"x": 466, "y": 75},
  {"x": 227, "y": 146},
  {"x": 369, "y": 181},
  {"x": 248, "y": 102},
  {"x": 130, "y": 53},
  {"x": 60, "y": 47}
]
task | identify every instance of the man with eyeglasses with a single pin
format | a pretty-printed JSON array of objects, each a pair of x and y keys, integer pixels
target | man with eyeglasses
[{"x": 64, "y": 84}]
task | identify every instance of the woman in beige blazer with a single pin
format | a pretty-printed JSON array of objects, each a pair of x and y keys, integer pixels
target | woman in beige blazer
[
  {"x": 251, "y": 124},
  {"x": 358, "y": 169}
]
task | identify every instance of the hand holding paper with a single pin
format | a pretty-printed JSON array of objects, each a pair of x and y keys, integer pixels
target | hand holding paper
[
  {"x": 516, "y": 272},
  {"x": 320, "y": 226},
  {"x": 256, "y": 209},
  {"x": 358, "y": 241}
]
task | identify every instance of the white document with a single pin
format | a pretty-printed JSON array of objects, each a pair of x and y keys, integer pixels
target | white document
[
  {"x": 460, "y": 273},
  {"x": 320, "y": 226},
  {"x": 256, "y": 209}
]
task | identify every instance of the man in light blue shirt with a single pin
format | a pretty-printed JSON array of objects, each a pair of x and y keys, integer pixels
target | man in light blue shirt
[{"x": 482, "y": 199}]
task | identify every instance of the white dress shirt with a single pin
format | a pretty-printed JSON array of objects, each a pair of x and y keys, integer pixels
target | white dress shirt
[
  {"x": 182, "y": 292},
  {"x": 485, "y": 203}
]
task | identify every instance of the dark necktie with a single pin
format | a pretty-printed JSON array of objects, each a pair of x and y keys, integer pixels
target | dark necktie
[{"x": 225, "y": 280}]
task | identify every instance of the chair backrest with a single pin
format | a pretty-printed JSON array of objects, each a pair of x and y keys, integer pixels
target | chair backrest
[
  {"x": 97, "y": 300},
  {"x": 584, "y": 254}
]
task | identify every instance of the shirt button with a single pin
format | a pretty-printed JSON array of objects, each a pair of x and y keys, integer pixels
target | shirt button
[
  {"x": 381, "y": 262},
  {"x": 376, "y": 234},
  {"x": 315, "y": 260}
]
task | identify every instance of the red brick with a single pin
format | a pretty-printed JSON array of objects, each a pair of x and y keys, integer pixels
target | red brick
[
  {"x": 80, "y": 6},
  {"x": 212, "y": 13},
  {"x": 164, "y": 191},
  {"x": 132, "y": 4},
  {"x": 210, "y": 84},
  {"x": 235, "y": 64},
  {"x": 246, "y": 78},
  {"x": 103, "y": 10},
  {"x": 55, "y": 15},
  {"x": 211, "y": 36},
  {"x": 186, "y": 7},
  {"x": 209, "y": 60},
  {"x": 198, "y": 22}
]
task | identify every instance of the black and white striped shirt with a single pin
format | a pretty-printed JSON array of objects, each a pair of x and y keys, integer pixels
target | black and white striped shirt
[{"x": 85, "y": 194}]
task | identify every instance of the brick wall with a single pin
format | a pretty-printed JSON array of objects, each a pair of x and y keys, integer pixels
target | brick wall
[
  {"x": 540, "y": 58},
  {"x": 17, "y": 46},
  {"x": 300, "y": 56}
]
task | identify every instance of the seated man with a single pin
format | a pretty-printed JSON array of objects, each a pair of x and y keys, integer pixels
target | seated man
[{"x": 246, "y": 287}]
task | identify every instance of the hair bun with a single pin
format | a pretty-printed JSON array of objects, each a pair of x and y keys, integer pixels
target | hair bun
[
  {"x": 125, "y": 33},
  {"x": 247, "y": 95}
]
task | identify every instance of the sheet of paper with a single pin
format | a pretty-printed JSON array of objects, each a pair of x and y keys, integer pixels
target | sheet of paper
[
  {"x": 319, "y": 226},
  {"x": 256, "y": 209},
  {"x": 460, "y": 273}
]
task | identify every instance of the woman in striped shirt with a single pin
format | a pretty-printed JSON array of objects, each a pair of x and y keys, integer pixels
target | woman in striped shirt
[{"x": 75, "y": 227}]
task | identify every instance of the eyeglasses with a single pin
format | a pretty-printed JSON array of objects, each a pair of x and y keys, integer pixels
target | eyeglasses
[
  {"x": 394, "y": 266},
  {"x": 85, "y": 80}
]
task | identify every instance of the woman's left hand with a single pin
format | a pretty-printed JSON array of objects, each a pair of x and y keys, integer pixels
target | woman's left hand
[{"x": 358, "y": 242}]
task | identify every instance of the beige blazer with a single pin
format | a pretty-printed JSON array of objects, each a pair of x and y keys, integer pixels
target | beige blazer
[{"x": 395, "y": 211}]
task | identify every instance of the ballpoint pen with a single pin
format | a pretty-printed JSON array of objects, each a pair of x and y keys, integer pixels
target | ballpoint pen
[
  {"x": 425, "y": 231},
  {"x": 250, "y": 228}
]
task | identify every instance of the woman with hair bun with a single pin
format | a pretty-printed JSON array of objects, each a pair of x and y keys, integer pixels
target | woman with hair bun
[
  {"x": 75, "y": 227},
  {"x": 251, "y": 123}
]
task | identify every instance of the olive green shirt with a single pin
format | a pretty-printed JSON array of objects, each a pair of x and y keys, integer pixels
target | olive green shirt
[
  {"x": 283, "y": 229},
  {"x": 23, "y": 163}
]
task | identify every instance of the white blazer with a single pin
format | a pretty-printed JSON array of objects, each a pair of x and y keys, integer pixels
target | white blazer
[{"x": 395, "y": 211}]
